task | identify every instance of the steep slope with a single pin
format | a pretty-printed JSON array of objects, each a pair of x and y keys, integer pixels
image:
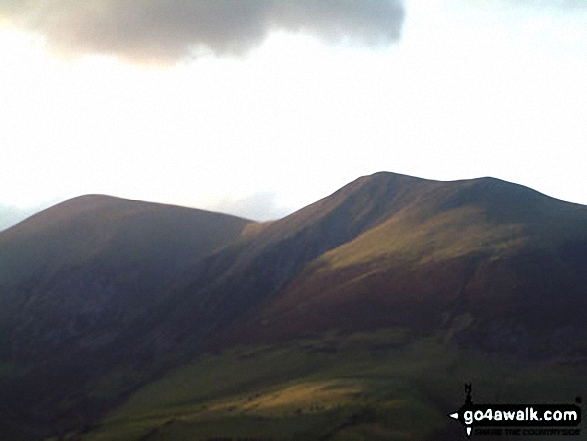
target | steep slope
[
  {"x": 361, "y": 316},
  {"x": 99, "y": 296},
  {"x": 74, "y": 281},
  {"x": 94, "y": 225},
  {"x": 232, "y": 283},
  {"x": 497, "y": 264},
  {"x": 98, "y": 257}
]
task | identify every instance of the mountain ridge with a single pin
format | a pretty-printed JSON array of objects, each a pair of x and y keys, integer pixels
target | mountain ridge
[
  {"x": 100, "y": 293},
  {"x": 457, "y": 236}
]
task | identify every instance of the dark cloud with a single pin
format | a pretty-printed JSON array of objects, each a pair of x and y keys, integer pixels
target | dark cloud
[{"x": 167, "y": 30}]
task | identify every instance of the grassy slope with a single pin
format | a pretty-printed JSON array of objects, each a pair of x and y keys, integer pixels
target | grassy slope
[
  {"x": 446, "y": 220},
  {"x": 98, "y": 258},
  {"x": 359, "y": 386},
  {"x": 93, "y": 226},
  {"x": 479, "y": 240},
  {"x": 75, "y": 280},
  {"x": 374, "y": 385},
  {"x": 390, "y": 218}
]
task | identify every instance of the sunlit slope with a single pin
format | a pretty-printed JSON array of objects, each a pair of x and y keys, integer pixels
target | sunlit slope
[
  {"x": 232, "y": 284},
  {"x": 377, "y": 386},
  {"x": 100, "y": 296},
  {"x": 503, "y": 261},
  {"x": 450, "y": 219}
]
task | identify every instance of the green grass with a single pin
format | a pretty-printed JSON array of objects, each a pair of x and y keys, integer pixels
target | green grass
[
  {"x": 364, "y": 386},
  {"x": 444, "y": 236}
]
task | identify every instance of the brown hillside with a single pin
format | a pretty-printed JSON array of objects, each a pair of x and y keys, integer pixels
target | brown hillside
[
  {"x": 76, "y": 280},
  {"x": 507, "y": 260}
]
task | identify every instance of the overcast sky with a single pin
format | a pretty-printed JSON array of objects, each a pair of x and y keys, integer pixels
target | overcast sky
[{"x": 259, "y": 107}]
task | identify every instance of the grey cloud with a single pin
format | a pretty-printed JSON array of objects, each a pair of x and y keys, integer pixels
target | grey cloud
[{"x": 168, "y": 30}]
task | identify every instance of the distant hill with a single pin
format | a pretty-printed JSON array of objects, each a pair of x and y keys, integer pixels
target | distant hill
[
  {"x": 100, "y": 296},
  {"x": 10, "y": 215},
  {"x": 77, "y": 277}
]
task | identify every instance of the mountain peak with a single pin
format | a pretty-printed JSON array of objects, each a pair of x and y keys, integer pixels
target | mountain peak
[{"x": 97, "y": 286}]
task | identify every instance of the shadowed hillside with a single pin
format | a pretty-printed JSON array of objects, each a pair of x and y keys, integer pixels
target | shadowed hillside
[
  {"x": 496, "y": 264},
  {"x": 499, "y": 264},
  {"x": 76, "y": 278},
  {"x": 99, "y": 297}
]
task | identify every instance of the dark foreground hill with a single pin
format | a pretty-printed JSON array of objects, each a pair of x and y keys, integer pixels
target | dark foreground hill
[
  {"x": 321, "y": 320},
  {"x": 75, "y": 280}
]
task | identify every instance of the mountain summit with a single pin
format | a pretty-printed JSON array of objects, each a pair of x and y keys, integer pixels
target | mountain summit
[
  {"x": 100, "y": 296},
  {"x": 504, "y": 258}
]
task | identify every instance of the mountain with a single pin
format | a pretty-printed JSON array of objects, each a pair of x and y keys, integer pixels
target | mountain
[
  {"x": 506, "y": 259},
  {"x": 12, "y": 215},
  {"x": 390, "y": 250},
  {"x": 97, "y": 258},
  {"x": 231, "y": 284},
  {"x": 77, "y": 277},
  {"x": 105, "y": 301}
]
